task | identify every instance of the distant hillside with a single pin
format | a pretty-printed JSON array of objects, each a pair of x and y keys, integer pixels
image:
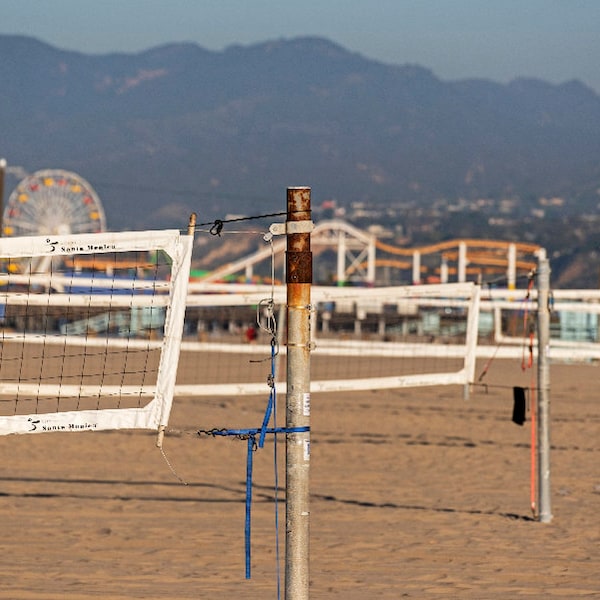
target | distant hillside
[{"x": 179, "y": 128}]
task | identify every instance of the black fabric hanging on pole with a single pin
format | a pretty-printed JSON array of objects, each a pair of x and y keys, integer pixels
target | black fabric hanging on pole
[{"x": 519, "y": 405}]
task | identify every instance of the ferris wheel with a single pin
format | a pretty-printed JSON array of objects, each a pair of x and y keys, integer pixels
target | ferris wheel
[{"x": 53, "y": 202}]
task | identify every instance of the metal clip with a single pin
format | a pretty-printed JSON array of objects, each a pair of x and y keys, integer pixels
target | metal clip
[{"x": 291, "y": 227}]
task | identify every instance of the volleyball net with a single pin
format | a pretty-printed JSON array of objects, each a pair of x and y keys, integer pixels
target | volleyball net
[
  {"x": 91, "y": 329},
  {"x": 405, "y": 336},
  {"x": 362, "y": 338},
  {"x": 102, "y": 331}
]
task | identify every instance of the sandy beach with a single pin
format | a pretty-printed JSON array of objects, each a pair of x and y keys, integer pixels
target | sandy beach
[{"x": 415, "y": 493}]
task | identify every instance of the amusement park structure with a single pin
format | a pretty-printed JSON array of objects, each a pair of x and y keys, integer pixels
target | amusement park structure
[
  {"x": 52, "y": 202},
  {"x": 49, "y": 202},
  {"x": 364, "y": 259}
]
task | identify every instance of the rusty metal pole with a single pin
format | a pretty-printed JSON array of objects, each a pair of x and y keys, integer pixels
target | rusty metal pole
[{"x": 299, "y": 280}]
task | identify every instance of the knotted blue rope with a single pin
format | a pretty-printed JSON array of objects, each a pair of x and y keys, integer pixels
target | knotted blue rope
[
  {"x": 250, "y": 436},
  {"x": 262, "y": 431},
  {"x": 248, "y": 522}
]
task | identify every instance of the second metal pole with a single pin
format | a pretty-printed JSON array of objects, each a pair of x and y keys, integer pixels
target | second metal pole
[{"x": 543, "y": 396}]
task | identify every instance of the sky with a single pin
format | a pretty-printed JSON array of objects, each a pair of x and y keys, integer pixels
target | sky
[{"x": 554, "y": 40}]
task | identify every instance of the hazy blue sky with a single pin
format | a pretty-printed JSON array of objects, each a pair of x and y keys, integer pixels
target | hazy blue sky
[{"x": 556, "y": 40}]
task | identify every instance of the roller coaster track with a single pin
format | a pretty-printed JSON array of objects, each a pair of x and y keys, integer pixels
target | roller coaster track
[
  {"x": 356, "y": 251},
  {"x": 440, "y": 247}
]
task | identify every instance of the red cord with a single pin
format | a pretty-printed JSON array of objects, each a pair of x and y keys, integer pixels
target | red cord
[
  {"x": 532, "y": 482},
  {"x": 529, "y": 332}
]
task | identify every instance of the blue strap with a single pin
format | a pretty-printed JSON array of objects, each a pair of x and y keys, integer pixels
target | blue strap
[
  {"x": 251, "y": 439},
  {"x": 255, "y": 431},
  {"x": 247, "y": 528},
  {"x": 267, "y": 417},
  {"x": 271, "y": 402}
]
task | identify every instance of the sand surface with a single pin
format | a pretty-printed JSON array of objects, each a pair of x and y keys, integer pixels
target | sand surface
[{"x": 414, "y": 493}]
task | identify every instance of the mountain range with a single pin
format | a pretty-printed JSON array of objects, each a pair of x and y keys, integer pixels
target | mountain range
[{"x": 179, "y": 128}]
